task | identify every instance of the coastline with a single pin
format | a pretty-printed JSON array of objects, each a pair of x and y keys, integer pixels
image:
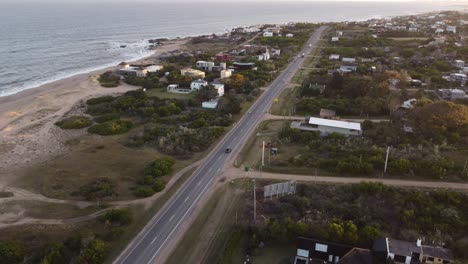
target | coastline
[{"x": 27, "y": 131}]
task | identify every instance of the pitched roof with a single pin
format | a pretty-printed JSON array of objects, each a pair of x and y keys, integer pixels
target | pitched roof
[
  {"x": 402, "y": 248},
  {"x": 437, "y": 252},
  {"x": 357, "y": 256}
]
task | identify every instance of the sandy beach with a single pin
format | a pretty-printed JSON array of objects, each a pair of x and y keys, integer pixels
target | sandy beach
[{"x": 27, "y": 131}]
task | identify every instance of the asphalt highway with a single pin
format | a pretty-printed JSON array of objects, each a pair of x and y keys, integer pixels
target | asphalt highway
[{"x": 149, "y": 244}]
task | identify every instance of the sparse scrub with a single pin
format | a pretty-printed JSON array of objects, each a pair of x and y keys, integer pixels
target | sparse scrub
[{"x": 74, "y": 122}]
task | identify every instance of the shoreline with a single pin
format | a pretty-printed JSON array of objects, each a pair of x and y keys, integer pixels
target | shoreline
[{"x": 27, "y": 119}]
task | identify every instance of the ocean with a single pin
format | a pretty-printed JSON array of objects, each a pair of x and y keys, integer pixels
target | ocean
[{"x": 41, "y": 43}]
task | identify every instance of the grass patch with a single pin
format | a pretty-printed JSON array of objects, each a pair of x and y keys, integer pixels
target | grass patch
[
  {"x": 109, "y": 80},
  {"x": 163, "y": 94},
  {"x": 108, "y": 128},
  {"x": 6, "y": 194},
  {"x": 285, "y": 105},
  {"x": 43, "y": 210},
  {"x": 74, "y": 122},
  {"x": 143, "y": 217},
  {"x": 212, "y": 228}
]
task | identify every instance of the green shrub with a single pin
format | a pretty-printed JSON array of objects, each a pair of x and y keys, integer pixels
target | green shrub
[
  {"x": 98, "y": 189},
  {"x": 109, "y": 79},
  {"x": 11, "y": 252},
  {"x": 74, "y": 122},
  {"x": 158, "y": 185},
  {"x": 144, "y": 192},
  {"x": 100, "y": 100},
  {"x": 94, "y": 252},
  {"x": 160, "y": 167},
  {"x": 114, "y": 127},
  {"x": 106, "y": 117},
  {"x": 118, "y": 217}
]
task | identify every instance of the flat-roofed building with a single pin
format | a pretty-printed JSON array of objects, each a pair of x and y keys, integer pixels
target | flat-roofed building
[{"x": 327, "y": 126}]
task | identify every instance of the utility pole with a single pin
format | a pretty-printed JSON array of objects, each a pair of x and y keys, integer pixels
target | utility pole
[
  {"x": 255, "y": 202},
  {"x": 386, "y": 159},
  {"x": 263, "y": 153}
]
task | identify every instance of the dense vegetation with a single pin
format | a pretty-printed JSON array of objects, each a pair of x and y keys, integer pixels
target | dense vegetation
[
  {"x": 357, "y": 214},
  {"x": 74, "y": 122},
  {"x": 151, "y": 181},
  {"x": 109, "y": 79},
  {"x": 112, "y": 127}
]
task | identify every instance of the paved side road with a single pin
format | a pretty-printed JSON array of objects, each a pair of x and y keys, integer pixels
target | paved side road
[{"x": 150, "y": 244}]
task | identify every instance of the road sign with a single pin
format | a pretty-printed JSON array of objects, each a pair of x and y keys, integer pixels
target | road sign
[{"x": 279, "y": 189}]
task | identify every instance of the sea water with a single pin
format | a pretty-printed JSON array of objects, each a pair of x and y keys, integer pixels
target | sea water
[{"x": 40, "y": 43}]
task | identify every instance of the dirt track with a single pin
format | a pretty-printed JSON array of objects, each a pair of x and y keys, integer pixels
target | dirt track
[{"x": 233, "y": 173}]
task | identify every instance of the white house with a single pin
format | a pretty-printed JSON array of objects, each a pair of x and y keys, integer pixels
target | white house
[
  {"x": 154, "y": 68},
  {"x": 225, "y": 74},
  {"x": 264, "y": 56},
  {"x": 205, "y": 65},
  {"x": 328, "y": 126},
  {"x": 275, "y": 52},
  {"x": 409, "y": 104},
  {"x": 452, "y": 29},
  {"x": 347, "y": 68},
  {"x": 413, "y": 29},
  {"x": 289, "y": 35},
  {"x": 348, "y": 60},
  {"x": 219, "y": 87},
  {"x": 334, "y": 57},
  {"x": 174, "y": 88},
  {"x": 459, "y": 64},
  {"x": 335, "y": 39},
  {"x": 268, "y": 34},
  {"x": 439, "y": 30},
  {"x": 211, "y": 104},
  {"x": 133, "y": 71},
  {"x": 197, "y": 84}
]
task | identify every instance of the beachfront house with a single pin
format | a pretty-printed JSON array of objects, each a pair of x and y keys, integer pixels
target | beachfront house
[
  {"x": 275, "y": 52},
  {"x": 133, "y": 71},
  {"x": 225, "y": 74},
  {"x": 327, "y": 126},
  {"x": 205, "y": 65},
  {"x": 335, "y": 39},
  {"x": 197, "y": 84},
  {"x": 268, "y": 34},
  {"x": 192, "y": 73},
  {"x": 264, "y": 56},
  {"x": 334, "y": 57},
  {"x": 219, "y": 88}
]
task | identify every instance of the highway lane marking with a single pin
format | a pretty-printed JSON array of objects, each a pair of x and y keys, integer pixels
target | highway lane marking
[
  {"x": 178, "y": 223},
  {"x": 152, "y": 241},
  {"x": 186, "y": 199},
  {"x": 170, "y": 219},
  {"x": 160, "y": 216}
]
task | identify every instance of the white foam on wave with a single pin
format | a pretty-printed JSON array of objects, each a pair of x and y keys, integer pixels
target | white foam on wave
[{"x": 133, "y": 51}]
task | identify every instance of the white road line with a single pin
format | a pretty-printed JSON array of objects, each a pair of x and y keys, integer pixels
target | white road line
[
  {"x": 154, "y": 239},
  {"x": 170, "y": 219},
  {"x": 186, "y": 199},
  {"x": 178, "y": 223}
]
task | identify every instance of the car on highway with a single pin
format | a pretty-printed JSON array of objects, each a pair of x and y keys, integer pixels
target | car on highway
[{"x": 228, "y": 150}]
